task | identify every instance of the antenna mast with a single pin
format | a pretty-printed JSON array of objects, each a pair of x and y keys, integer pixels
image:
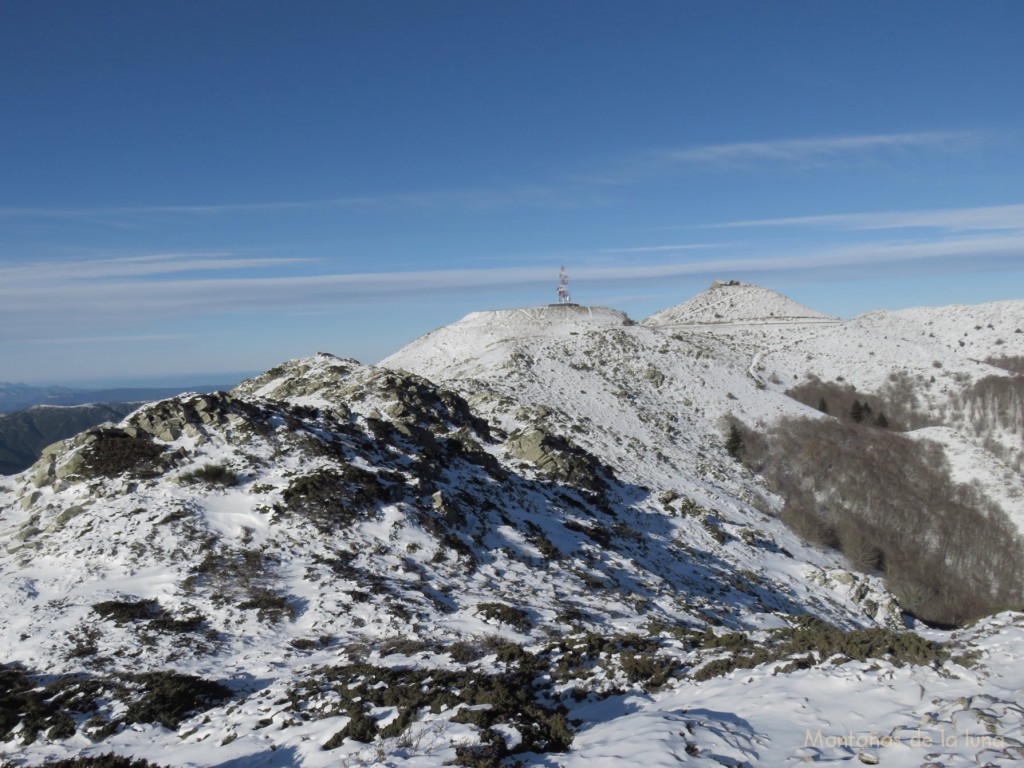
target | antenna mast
[{"x": 563, "y": 286}]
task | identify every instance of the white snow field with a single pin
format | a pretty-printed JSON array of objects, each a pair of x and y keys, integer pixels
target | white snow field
[{"x": 518, "y": 540}]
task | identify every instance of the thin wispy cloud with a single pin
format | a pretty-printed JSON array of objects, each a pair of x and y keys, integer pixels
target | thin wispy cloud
[
  {"x": 812, "y": 151},
  {"x": 121, "y": 339},
  {"x": 982, "y": 218},
  {"x": 549, "y": 196},
  {"x": 76, "y": 299},
  {"x": 567, "y": 192},
  {"x": 152, "y": 265},
  {"x": 210, "y": 209},
  {"x": 663, "y": 248}
]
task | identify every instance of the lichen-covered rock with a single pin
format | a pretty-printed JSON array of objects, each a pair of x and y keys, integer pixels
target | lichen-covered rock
[
  {"x": 191, "y": 415},
  {"x": 100, "y": 452},
  {"x": 410, "y": 402},
  {"x": 864, "y": 591},
  {"x": 558, "y": 458},
  {"x": 653, "y": 375}
]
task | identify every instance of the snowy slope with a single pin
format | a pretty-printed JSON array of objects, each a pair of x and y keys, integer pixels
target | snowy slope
[
  {"x": 978, "y": 331},
  {"x": 732, "y": 304},
  {"x": 925, "y": 361},
  {"x": 446, "y": 532},
  {"x": 518, "y": 536}
]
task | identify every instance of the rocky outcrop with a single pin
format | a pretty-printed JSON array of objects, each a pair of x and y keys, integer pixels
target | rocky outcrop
[
  {"x": 559, "y": 458},
  {"x": 863, "y": 591},
  {"x": 101, "y": 452},
  {"x": 138, "y": 447},
  {"x": 189, "y": 415}
]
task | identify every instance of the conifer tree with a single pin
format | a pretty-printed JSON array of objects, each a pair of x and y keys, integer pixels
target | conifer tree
[
  {"x": 734, "y": 445},
  {"x": 857, "y": 411}
]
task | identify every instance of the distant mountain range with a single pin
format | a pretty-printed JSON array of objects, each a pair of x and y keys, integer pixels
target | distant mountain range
[
  {"x": 32, "y": 418},
  {"x": 739, "y": 532},
  {"x": 24, "y": 434},
  {"x": 14, "y": 397}
]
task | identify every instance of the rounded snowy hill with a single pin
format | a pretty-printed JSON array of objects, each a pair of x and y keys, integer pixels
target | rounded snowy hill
[
  {"x": 737, "y": 303},
  {"x": 478, "y": 339},
  {"x": 649, "y": 401}
]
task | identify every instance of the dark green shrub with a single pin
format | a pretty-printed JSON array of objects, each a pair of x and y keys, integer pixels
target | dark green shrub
[
  {"x": 63, "y": 727},
  {"x": 15, "y": 697},
  {"x": 734, "y": 443},
  {"x": 108, "y": 760},
  {"x": 47, "y": 708},
  {"x": 406, "y": 646},
  {"x": 185, "y": 624},
  {"x": 309, "y": 644},
  {"x": 517, "y": 697},
  {"x": 269, "y": 605},
  {"x": 114, "y": 452},
  {"x": 464, "y": 651},
  {"x": 150, "y": 611},
  {"x": 123, "y": 611},
  {"x": 596, "y": 532},
  {"x": 545, "y": 546},
  {"x": 506, "y": 614},
  {"x": 333, "y": 499},
  {"x": 211, "y": 474},
  {"x": 713, "y": 526},
  {"x": 487, "y": 754},
  {"x": 813, "y": 641},
  {"x": 361, "y": 727},
  {"x": 715, "y": 668},
  {"x": 650, "y": 670},
  {"x": 169, "y": 697}
]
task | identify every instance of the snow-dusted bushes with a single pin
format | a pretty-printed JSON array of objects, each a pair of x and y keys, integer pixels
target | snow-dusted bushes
[
  {"x": 334, "y": 499},
  {"x": 114, "y": 452},
  {"x": 210, "y": 474},
  {"x": 167, "y": 697},
  {"x": 506, "y": 614},
  {"x": 993, "y": 403},
  {"x": 888, "y": 502},
  {"x": 519, "y": 697},
  {"x": 109, "y": 760},
  {"x": 813, "y": 642},
  {"x": 148, "y": 613},
  {"x": 47, "y": 704}
]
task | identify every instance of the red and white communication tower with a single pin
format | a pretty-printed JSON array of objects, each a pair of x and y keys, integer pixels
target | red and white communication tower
[{"x": 563, "y": 286}]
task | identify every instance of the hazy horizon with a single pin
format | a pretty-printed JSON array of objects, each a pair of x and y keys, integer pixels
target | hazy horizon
[{"x": 214, "y": 377}]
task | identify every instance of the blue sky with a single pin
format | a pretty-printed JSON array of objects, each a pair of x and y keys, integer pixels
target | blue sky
[{"x": 195, "y": 187}]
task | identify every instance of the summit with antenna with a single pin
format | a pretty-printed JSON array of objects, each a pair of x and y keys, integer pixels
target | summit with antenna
[{"x": 564, "y": 299}]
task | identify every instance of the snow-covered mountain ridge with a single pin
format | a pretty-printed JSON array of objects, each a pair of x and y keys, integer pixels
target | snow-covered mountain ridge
[
  {"x": 519, "y": 536},
  {"x": 736, "y": 303}
]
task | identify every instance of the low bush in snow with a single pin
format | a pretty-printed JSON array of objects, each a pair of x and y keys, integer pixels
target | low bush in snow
[
  {"x": 168, "y": 697},
  {"x": 517, "y": 697},
  {"x": 813, "y": 642},
  {"x": 506, "y": 614},
  {"x": 50, "y": 706},
  {"x": 114, "y": 453},
  {"x": 109, "y": 760},
  {"x": 210, "y": 474}
]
